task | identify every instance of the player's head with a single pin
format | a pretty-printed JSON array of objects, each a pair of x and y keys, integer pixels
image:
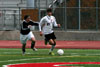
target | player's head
[
  {"x": 49, "y": 11},
  {"x": 27, "y": 18}
]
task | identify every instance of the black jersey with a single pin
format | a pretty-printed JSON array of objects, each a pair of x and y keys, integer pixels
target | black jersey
[{"x": 24, "y": 27}]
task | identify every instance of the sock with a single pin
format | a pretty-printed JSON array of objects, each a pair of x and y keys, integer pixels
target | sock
[
  {"x": 23, "y": 47},
  {"x": 53, "y": 46},
  {"x": 32, "y": 44}
]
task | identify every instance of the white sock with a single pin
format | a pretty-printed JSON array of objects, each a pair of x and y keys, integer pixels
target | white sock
[{"x": 53, "y": 46}]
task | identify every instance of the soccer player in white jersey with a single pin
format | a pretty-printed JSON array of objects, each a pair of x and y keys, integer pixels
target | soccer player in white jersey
[
  {"x": 46, "y": 28},
  {"x": 26, "y": 33}
]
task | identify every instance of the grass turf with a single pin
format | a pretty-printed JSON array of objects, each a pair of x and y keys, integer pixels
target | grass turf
[{"x": 14, "y": 56}]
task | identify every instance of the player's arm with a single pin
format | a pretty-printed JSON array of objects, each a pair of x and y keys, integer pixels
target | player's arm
[
  {"x": 55, "y": 23},
  {"x": 33, "y": 23},
  {"x": 41, "y": 26}
]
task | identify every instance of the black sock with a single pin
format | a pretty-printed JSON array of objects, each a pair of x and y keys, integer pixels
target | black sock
[
  {"x": 23, "y": 47},
  {"x": 32, "y": 44}
]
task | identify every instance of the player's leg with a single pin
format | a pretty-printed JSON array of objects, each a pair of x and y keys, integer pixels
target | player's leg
[
  {"x": 53, "y": 44},
  {"x": 23, "y": 48},
  {"x": 47, "y": 38},
  {"x": 50, "y": 38},
  {"x": 33, "y": 44},
  {"x": 52, "y": 41},
  {"x": 46, "y": 41},
  {"x": 33, "y": 40},
  {"x": 23, "y": 40}
]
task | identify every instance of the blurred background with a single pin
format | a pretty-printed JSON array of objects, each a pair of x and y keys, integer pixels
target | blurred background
[{"x": 73, "y": 15}]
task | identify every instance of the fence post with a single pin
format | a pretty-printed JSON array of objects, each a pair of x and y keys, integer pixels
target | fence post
[
  {"x": 19, "y": 18},
  {"x": 4, "y": 20},
  {"x": 14, "y": 15},
  {"x": 39, "y": 10},
  {"x": 65, "y": 15},
  {"x": 79, "y": 15}
]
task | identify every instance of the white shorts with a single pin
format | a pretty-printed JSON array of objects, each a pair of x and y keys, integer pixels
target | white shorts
[{"x": 25, "y": 38}]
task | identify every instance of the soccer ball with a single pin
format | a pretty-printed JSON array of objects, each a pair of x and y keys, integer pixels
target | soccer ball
[{"x": 60, "y": 52}]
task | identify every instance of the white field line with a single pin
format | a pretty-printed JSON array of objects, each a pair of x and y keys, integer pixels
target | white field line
[
  {"x": 19, "y": 53},
  {"x": 41, "y": 58},
  {"x": 67, "y": 64},
  {"x": 25, "y": 63},
  {"x": 36, "y": 59},
  {"x": 32, "y": 59},
  {"x": 24, "y": 59}
]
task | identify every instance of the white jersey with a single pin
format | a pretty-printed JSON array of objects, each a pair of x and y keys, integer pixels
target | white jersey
[{"x": 46, "y": 24}]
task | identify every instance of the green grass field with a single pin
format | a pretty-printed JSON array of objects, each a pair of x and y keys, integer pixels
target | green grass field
[{"x": 14, "y": 56}]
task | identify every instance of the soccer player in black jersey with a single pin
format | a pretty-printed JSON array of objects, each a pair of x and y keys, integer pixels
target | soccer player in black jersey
[{"x": 26, "y": 33}]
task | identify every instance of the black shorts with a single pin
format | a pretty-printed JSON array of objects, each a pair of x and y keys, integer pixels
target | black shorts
[{"x": 50, "y": 36}]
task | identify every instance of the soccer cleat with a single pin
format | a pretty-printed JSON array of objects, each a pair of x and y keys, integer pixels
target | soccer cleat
[
  {"x": 23, "y": 53},
  {"x": 35, "y": 49},
  {"x": 51, "y": 53}
]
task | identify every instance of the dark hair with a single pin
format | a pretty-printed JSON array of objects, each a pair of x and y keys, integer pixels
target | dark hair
[
  {"x": 49, "y": 10},
  {"x": 26, "y": 16}
]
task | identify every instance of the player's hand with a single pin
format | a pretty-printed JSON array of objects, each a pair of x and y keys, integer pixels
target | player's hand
[
  {"x": 59, "y": 25},
  {"x": 41, "y": 33},
  {"x": 29, "y": 26}
]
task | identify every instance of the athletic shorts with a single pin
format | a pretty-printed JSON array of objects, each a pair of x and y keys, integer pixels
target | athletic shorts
[
  {"x": 50, "y": 36},
  {"x": 25, "y": 38}
]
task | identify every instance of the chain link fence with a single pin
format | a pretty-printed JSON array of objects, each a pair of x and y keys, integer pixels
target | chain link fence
[{"x": 71, "y": 14}]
